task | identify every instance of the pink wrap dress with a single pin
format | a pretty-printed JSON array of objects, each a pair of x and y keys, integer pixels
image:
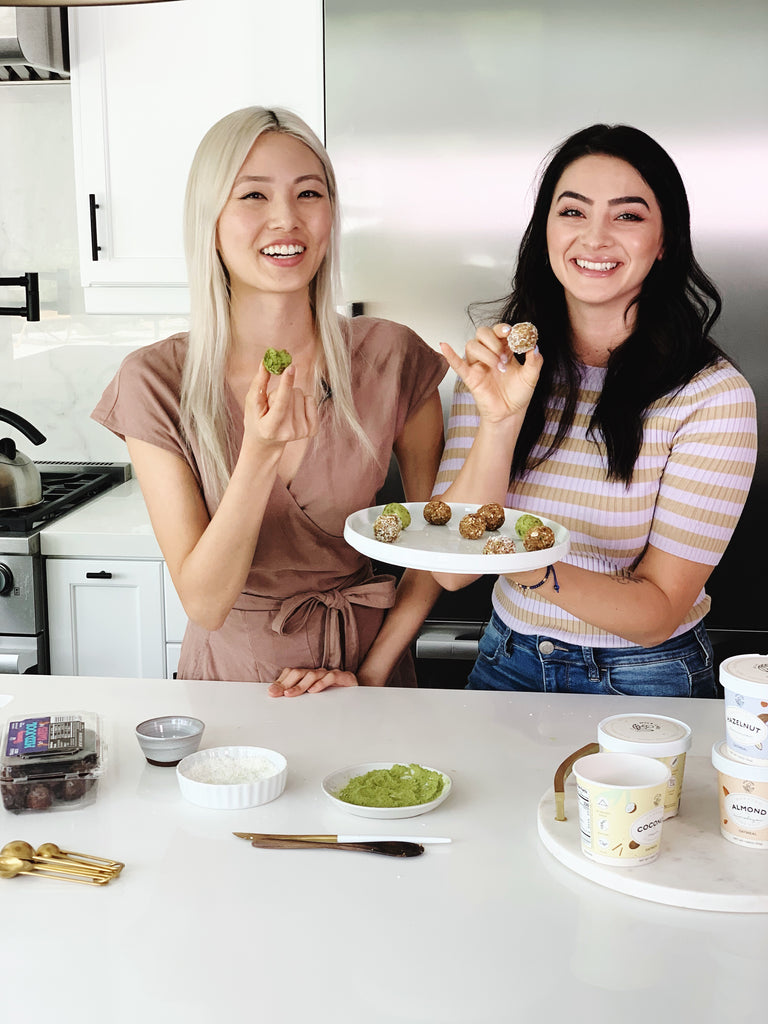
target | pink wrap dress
[{"x": 310, "y": 600}]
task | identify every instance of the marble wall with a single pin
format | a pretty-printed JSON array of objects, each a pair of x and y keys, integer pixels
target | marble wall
[{"x": 53, "y": 372}]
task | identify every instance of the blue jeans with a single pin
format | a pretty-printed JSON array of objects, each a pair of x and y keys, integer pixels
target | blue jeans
[{"x": 680, "y": 667}]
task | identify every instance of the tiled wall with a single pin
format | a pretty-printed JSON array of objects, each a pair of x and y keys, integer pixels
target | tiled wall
[{"x": 54, "y": 371}]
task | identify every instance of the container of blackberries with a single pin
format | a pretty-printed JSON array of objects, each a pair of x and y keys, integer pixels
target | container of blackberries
[{"x": 51, "y": 762}]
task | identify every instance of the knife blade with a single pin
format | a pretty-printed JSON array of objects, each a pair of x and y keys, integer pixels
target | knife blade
[{"x": 341, "y": 838}]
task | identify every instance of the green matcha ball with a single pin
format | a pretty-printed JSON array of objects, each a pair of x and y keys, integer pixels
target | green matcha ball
[
  {"x": 276, "y": 360},
  {"x": 394, "y": 508},
  {"x": 526, "y": 523}
]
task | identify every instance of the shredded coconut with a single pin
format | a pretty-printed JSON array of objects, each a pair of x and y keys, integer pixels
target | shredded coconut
[{"x": 228, "y": 770}]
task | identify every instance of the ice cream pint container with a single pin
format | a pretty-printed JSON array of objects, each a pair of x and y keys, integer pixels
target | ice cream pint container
[
  {"x": 665, "y": 739},
  {"x": 621, "y": 807},
  {"x": 744, "y": 679},
  {"x": 743, "y": 793}
]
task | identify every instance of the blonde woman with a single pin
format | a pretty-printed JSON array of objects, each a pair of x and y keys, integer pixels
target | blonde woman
[{"x": 248, "y": 477}]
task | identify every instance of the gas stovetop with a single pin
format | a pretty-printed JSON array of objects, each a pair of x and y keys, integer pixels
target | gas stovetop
[{"x": 66, "y": 486}]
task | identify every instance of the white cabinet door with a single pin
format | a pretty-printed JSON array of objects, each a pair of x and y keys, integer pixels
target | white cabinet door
[
  {"x": 105, "y": 617},
  {"x": 172, "y": 655},
  {"x": 148, "y": 81}
]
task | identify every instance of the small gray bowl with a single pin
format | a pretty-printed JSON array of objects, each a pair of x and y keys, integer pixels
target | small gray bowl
[{"x": 165, "y": 741}]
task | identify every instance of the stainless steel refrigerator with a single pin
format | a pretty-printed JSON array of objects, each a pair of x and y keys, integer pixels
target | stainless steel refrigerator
[{"x": 438, "y": 117}]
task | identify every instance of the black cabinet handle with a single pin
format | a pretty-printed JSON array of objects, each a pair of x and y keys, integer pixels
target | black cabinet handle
[
  {"x": 93, "y": 206},
  {"x": 31, "y": 309},
  {"x": 98, "y": 575}
]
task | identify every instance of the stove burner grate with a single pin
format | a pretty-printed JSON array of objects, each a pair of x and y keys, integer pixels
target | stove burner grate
[{"x": 62, "y": 492}]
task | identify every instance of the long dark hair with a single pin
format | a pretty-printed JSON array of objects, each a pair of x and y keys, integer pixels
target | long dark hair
[{"x": 676, "y": 309}]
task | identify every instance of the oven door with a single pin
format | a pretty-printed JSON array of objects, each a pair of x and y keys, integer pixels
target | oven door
[{"x": 22, "y": 615}]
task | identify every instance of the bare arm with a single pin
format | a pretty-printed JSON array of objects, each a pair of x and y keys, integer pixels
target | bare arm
[
  {"x": 209, "y": 557},
  {"x": 502, "y": 389},
  {"x": 645, "y": 607},
  {"x": 418, "y": 451}
]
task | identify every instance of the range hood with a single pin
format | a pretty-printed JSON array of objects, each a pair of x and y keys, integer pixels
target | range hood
[{"x": 34, "y": 44}]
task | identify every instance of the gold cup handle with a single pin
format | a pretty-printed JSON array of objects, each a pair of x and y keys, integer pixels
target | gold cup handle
[{"x": 562, "y": 773}]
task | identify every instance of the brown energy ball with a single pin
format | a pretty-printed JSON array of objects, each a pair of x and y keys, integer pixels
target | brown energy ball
[
  {"x": 387, "y": 528},
  {"x": 39, "y": 798},
  {"x": 539, "y": 538},
  {"x": 522, "y": 338},
  {"x": 499, "y": 546},
  {"x": 472, "y": 526},
  {"x": 437, "y": 512},
  {"x": 493, "y": 514}
]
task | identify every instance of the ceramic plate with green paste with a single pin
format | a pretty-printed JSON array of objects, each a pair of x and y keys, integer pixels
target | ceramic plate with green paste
[{"x": 387, "y": 789}]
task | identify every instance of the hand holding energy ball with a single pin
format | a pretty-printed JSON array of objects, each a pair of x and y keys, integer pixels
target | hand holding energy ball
[
  {"x": 275, "y": 417},
  {"x": 502, "y": 388}
]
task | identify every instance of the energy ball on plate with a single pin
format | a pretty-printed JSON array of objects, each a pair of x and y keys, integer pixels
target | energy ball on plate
[
  {"x": 277, "y": 359},
  {"x": 387, "y": 528},
  {"x": 499, "y": 546},
  {"x": 493, "y": 514},
  {"x": 472, "y": 526},
  {"x": 539, "y": 538},
  {"x": 526, "y": 523},
  {"x": 437, "y": 512},
  {"x": 394, "y": 508},
  {"x": 522, "y": 338}
]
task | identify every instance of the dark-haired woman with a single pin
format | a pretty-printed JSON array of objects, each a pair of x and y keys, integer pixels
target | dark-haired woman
[{"x": 627, "y": 424}]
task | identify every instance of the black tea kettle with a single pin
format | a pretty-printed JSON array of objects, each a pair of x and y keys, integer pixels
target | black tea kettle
[{"x": 20, "y": 483}]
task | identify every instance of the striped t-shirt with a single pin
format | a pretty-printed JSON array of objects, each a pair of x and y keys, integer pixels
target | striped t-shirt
[{"x": 689, "y": 487}]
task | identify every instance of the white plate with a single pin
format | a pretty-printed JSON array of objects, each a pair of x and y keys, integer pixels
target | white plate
[
  {"x": 443, "y": 549},
  {"x": 337, "y": 780}
]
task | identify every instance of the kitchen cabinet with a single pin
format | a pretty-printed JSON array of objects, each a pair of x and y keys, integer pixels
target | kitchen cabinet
[
  {"x": 105, "y": 617},
  {"x": 147, "y": 83}
]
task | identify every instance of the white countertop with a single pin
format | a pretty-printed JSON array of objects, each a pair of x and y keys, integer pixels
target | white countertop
[
  {"x": 113, "y": 525},
  {"x": 491, "y": 928}
]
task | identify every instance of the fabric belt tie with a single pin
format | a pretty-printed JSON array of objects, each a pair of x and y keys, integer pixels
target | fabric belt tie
[{"x": 294, "y": 612}]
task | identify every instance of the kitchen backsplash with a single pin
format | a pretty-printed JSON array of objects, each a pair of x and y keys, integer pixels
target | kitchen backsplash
[{"x": 53, "y": 372}]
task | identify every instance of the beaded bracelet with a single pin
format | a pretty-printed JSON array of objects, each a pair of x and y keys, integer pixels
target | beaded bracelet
[{"x": 535, "y": 586}]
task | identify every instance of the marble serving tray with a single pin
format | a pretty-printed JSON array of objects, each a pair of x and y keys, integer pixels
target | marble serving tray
[{"x": 696, "y": 868}]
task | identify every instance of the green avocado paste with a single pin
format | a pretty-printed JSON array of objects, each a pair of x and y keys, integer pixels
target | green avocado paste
[
  {"x": 276, "y": 359},
  {"x": 402, "y": 785},
  {"x": 394, "y": 508}
]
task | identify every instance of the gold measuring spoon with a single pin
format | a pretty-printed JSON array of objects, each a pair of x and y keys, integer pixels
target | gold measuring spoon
[
  {"x": 24, "y": 851},
  {"x": 53, "y": 852},
  {"x": 12, "y": 866}
]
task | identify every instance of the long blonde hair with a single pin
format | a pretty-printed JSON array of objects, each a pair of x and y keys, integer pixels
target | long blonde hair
[{"x": 204, "y": 414}]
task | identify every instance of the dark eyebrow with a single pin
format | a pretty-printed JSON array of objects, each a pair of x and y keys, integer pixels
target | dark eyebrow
[
  {"x": 264, "y": 178},
  {"x": 620, "y": 201}
]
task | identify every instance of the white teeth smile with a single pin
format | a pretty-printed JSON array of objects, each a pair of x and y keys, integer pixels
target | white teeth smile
[
  {"x": 588, "y": 265},
  {"x": 282, "y": 250}
]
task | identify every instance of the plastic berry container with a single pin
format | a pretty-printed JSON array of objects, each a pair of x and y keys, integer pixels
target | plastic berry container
[{"x": 51, "y": 762}]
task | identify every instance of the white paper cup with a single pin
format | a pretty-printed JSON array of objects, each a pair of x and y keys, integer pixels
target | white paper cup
[
  {"x": 621, "y": 807},
  {"x": 744, "y": 679},
  {"x": 743, "y": 795},
  {"x": 665, "y": 739}
]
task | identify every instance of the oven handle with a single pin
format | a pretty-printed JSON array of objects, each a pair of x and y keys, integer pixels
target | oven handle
[
  {"x": 454, "y": 641},
  {"x": 17, "y": 662}
]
